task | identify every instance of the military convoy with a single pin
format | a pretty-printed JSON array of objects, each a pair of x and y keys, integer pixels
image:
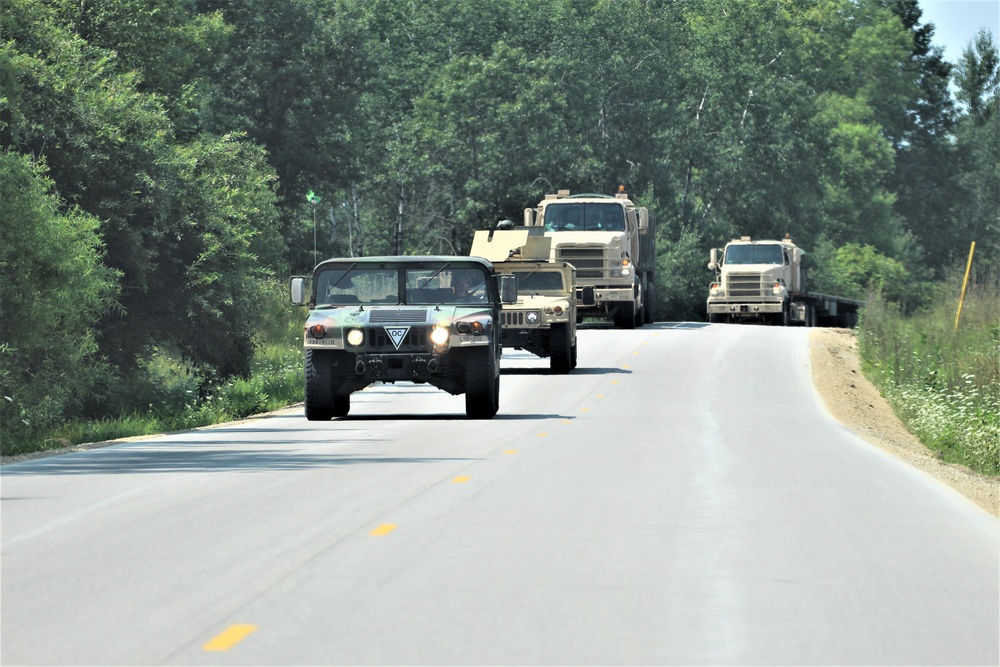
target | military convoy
[
  {"x": 764, "y": 281},
  {"x": 544, "y": 318},
  {"x": 444, "y": 320},
  {"x": 432, "y": 320},
  {"x": 612, "y": 244}
]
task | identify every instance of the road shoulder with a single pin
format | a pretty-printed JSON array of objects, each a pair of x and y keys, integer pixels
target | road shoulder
[{"x": 855, "y": 402}]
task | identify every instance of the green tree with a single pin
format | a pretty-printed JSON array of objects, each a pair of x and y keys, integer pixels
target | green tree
[{"x": 53, "y": 290}]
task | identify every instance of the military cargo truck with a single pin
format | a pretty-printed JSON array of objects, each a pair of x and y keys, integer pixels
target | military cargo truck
[
  {"x": 429, "y": 319},
  {"x": 543, "y": 320},
  {"x": 764, "y": 281},
  {"x": 612, "y": 244}
]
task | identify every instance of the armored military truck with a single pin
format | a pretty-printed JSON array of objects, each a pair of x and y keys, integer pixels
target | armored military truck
[
  {"x": 543, "y": 320},
  {"x": 427, "y": 319}
]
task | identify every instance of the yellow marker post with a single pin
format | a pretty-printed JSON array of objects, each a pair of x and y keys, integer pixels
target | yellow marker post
[
  {"x": 230, "y": 637},
  {"x": 965, "y": 283}
]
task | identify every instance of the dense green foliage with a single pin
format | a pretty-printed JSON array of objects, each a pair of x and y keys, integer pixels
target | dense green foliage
[
  {"x": 943, "y": 381},
  {"x": 171, "y": 145}
]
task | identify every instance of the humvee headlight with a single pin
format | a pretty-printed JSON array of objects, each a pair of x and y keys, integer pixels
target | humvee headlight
[
  {"x": 355, "y": 337},
  {"x": 317, "y": 331},
  {"x": 439, "y": 335},
  {"x": 531, "y": 317}
]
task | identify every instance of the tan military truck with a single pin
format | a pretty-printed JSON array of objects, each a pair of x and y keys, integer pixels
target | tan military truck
[
  {"x": 543, "y": 320},
  {"x": 764, "y": 281},
  {"x": 612, "y": 244}
]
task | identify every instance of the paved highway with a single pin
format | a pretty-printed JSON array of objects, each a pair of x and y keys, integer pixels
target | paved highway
[{"x": 683, "y": 497}]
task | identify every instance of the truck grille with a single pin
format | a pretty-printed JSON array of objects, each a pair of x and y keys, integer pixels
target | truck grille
[
  {"x": 588, "y": 260},
  {"x": 400, "y": 315},
  {"x": 744, "y": 285},
  {"x": 415, "y": 340}
]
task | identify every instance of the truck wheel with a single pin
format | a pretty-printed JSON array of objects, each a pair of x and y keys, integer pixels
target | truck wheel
[
  {"x": 482, "y": 384},
  {"x": 625, "y": 316},
  {"x": 561, "y": 359},
  {"x": 319, "y": 385},
  {"x": 341, "y": 405}
]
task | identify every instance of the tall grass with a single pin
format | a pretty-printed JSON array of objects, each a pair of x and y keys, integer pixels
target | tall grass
[
  {"x": 943, "y": 383},
  {"x": 168, "y": 395}
]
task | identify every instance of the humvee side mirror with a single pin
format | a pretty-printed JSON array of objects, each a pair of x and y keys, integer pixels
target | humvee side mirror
[
  {"x": 587, "y": 295},
  {"x": 297, "y": 291},
  {"x": 508, "y": 288}
]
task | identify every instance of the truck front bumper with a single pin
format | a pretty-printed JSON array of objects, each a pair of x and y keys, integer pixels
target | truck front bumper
[
  {"x": 606, "y": 296},
  {"x": 744, "y": 308}
]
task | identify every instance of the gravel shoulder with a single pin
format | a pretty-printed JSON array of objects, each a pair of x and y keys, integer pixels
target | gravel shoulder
[{"x": 855, "y": 402}]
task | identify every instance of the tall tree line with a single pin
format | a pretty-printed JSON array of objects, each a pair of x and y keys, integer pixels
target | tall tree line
[{"x": 164, "y": 160}]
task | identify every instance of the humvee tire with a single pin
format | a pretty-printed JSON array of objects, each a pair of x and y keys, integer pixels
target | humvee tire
[
  {"x": 319, "y": 385},
  {"x": 482, "y": 384},
  {"x": 561, "y": 359}
]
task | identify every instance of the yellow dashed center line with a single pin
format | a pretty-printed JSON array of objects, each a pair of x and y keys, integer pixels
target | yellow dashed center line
[
  {"x": 599, "y": 396},
  {"x": 230, "y": 637},
  {"x": 614, "y": 382},
  {"x": 384, "y": 529},
  {"x": 542, "y": 435},
  {"x": 584, "y": 409},
  {"x": 461, "y": 479},
  {"x": 510, "y": 451}
]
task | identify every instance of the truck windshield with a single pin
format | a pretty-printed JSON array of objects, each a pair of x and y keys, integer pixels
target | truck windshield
[
  {"x": 754, "y": 254},
  {"x": 345, "y": 287},
  {"x": 586, "y": 217},
  {"x": 538, "y": 281}
]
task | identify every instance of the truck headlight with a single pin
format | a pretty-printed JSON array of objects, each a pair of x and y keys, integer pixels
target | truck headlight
[
  {"x": 439, "y": 335},
  {"x": 777, "y": 289},
  {"x": 716, "y": 290},
  {"x": 355, "y": 337}
]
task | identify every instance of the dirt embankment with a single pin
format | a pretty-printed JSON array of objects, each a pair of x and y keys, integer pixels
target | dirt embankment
[{"x": 855, "y": 401}]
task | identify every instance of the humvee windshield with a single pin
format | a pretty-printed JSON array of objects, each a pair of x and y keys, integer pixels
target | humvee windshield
[
  {"x": 344, "y": 287},
  {"x": 587, "y": 217},
  {"x": 447, "y": 285},
  {"x": 535, "y": 281},
  {"x": 754, "y": 254}
]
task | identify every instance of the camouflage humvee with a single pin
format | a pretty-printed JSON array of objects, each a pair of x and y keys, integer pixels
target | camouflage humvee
[
  {"x": 390, "y": 319},
  {"x": 543, "y": 320}
]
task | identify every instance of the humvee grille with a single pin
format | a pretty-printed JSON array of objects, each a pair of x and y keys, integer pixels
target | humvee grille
[
  {"x": 415, "y": 340},
  {"x": 401, "y": 315},
  {"x": 515, "y": 318}
]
